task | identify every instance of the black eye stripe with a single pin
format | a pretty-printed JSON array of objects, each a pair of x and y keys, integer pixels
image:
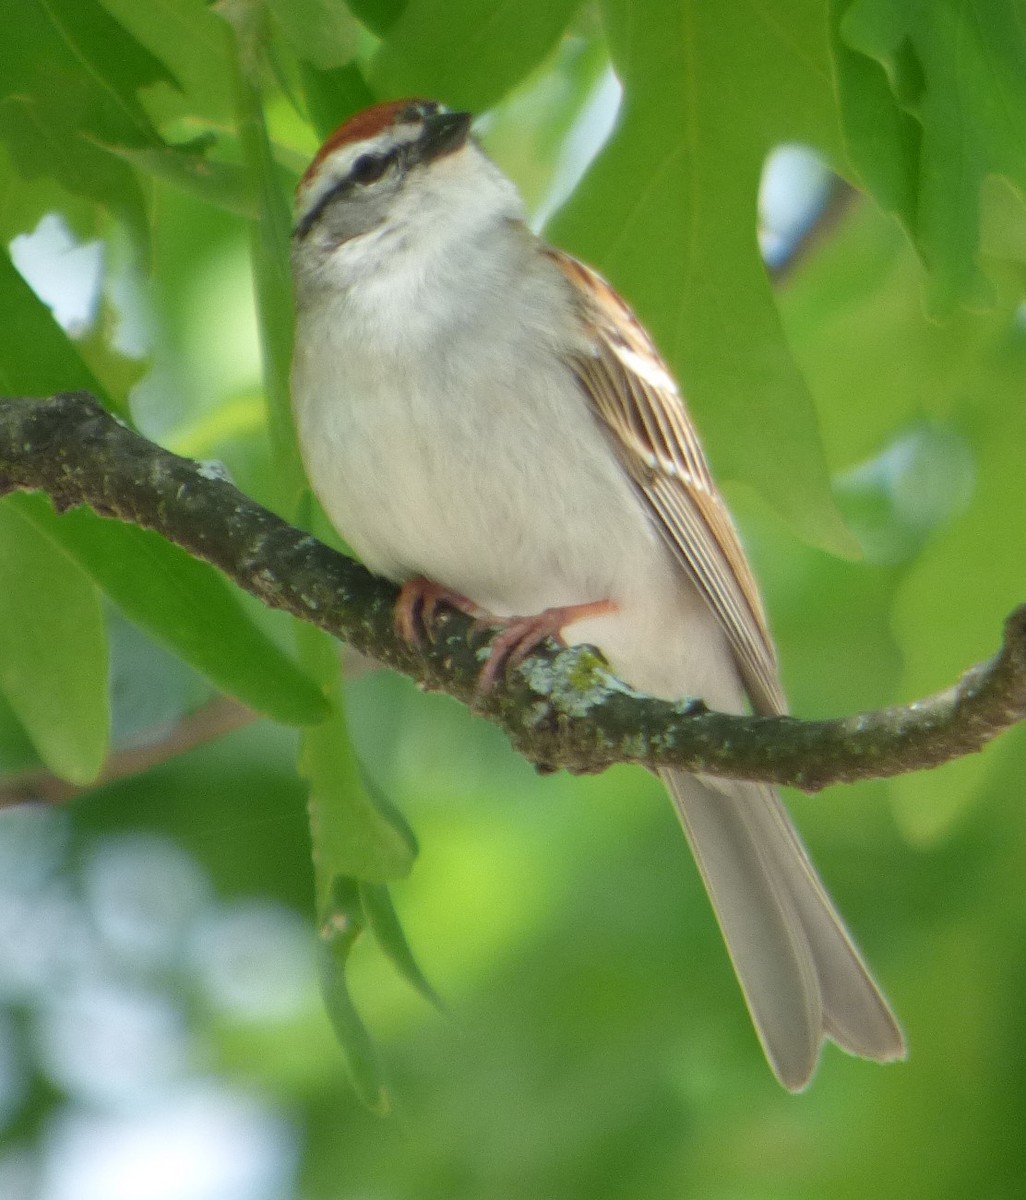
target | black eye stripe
[
  {"x": 312, "y": 217},
  {"x": 366, "y": 169}
]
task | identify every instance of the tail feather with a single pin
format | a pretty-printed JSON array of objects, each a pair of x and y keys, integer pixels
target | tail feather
[{"x": 801, "y": 974}]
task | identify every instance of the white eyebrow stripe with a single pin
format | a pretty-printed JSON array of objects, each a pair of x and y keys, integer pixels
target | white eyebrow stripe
[{"x": 333, "y": 169}]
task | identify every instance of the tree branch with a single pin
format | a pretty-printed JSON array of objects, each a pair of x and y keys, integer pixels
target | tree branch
[{"x": 561, "y": 708}]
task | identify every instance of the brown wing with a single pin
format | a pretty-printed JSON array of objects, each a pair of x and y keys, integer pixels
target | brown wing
[{"x": 634, "y": 396}]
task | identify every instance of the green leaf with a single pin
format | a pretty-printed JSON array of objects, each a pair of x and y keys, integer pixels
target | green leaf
[
  {"x": 383, "y": 921},
  {"x": 68, "y": 73},
  {"x": 37, "y": 358},
  {"x": 222, "y": 184},
  {"x": 51, "y": 41},
  {"x": 187, "y": 606},
  {"x": 269, "y": 252},
  {"x": 884, "y": 141},
  {"x": 321, "y": 32},
  {"x": 53, "y": 650},
  {"x": 468, "y": 53},
  {"x": 350, "y": 833},
  {"x": 23, "y": 203},
  {"x": 530, "y": 132},
  {"x": 17, "y": 752},
  {"x": 668, "y": 213},
  {"x": 192, "y": 42},
  {"x": 952, "y": 602},
  {"x": 854, "y": 319},
  {"x": 933, "y": 98},
  {"x": 39, "y": 147},
  {"x": 378, "y": 15},
  {"x": 340, "y": 928},
  {"x": 331, "y": 96},
  {"x": 1003, "y": 233}
]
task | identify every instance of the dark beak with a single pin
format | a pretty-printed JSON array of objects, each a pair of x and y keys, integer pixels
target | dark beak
[{"x": 443, "y": 133}]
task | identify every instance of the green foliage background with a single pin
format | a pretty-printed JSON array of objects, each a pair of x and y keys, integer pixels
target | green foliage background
[{"x": 868, "y": 419}]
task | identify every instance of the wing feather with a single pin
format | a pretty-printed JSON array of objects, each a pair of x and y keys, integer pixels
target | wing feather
[{"x": 635, "y": 398}]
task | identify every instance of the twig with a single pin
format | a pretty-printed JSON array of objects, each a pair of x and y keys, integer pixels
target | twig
[
  {"x": 214, "y": 719},
  {"x": 561, "y": 708},
  {"x": 841, "y": 201}
]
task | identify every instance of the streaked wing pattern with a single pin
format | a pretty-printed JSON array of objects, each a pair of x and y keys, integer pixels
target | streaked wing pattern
[{"x": 634, "y": 396}]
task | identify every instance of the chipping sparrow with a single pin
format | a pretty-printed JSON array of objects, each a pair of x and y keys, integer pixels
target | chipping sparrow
[{"x": 487, "y": 424}]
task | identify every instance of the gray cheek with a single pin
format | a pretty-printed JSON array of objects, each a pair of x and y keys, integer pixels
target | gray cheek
[{"x": 350, "y": 217}]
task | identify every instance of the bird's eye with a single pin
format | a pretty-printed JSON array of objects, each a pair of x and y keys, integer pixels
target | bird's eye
[{"x": 367, "y": 168}]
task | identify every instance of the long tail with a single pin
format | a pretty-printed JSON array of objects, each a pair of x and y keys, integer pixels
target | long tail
[{"x": 803, "y": 978}]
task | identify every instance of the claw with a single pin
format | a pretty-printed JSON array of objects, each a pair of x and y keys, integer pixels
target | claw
[
  {"x": 518, "y": 636},
  {"x": 419, "y": 601},
  {"x": 418, "y": 604}
]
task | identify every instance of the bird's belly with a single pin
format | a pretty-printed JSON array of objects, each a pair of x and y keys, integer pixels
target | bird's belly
[
  {"x": 513, "y": 500},
  {"x": 519, "y": 505}
]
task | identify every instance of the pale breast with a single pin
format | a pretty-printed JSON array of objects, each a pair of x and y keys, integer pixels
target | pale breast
[
  {"x": 454, "y": 444},
  {"x": 480, "y": 470}
]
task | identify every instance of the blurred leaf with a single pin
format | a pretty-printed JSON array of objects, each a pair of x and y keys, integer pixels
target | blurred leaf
[
  {"x": 53, "y": 650},
  {"x": 192, "y": 43},
  {"x": 953, "y": 600},
  {"x": 351, "y": 835},
  {"x": 151, "y": 688},
  {"x": 383, "y": 922},
  {"x": 340, "y": 928},
  {"x": 321, "y": 32},
  {"x": 39, "y": 147},
  {"x": 23, "y": 202},
  {"x": 893, "y": 502},
  {"x": 532, "y": 132},
  {"x": 331, "y": 96},
  {"x": 876, "y": 364},
  {"x": 467, "y": 53},
  {"x": 1003, "y": 216},
  {"x": 668, "y": 212},
  {"x": 187, "y": 606},
  {"x": 221, "y": 184},
  {"x": 16, "y": 750},
  {"x": 69, "y": 72},
  {"x": 269, "y": 251},
  {"x": 884, "y": 140},
  {"x": 118, "y": 371},
  {"x": 930, "y": 71},
  {"x": 51, "y": 42},
  {"x": 377, "y": 15},
  {"x": 37, "y": 358}
]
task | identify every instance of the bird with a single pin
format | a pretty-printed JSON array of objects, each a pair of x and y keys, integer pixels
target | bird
[{"x": 488, "y": 425}]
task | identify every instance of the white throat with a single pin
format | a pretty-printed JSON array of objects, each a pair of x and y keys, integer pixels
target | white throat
[{"x": 433, "y": 233}]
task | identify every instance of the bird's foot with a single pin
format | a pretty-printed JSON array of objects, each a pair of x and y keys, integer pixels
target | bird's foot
[
  {"x": 518, "y": 636},
  {"x": 418, "y": 604}
]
